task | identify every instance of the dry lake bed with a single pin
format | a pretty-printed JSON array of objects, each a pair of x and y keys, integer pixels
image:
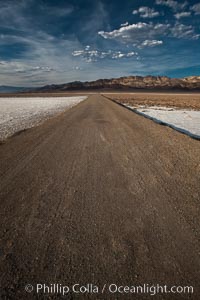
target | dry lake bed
[{"x": 17, "y": 113}]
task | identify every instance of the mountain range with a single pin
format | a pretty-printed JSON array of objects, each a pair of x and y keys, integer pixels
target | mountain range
[
  {"x": 13, "y": 89},
  {"x": 154, "y": 83},
  {"x": 128, "y": 83}
]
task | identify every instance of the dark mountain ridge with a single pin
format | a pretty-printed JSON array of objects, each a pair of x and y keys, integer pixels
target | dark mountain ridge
[
  {"x": 130, "y": 82},
  {"x": 136, "y": 83},
  {"x": 13, "y": 89}
]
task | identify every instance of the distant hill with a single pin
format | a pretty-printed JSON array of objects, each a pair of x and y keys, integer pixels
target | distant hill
[
  {"x": 13, "y": 89},
  {"x": 149, "y": 82}
]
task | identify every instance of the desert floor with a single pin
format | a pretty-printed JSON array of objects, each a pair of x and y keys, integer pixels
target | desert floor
[{"x": 99, "y": 194}]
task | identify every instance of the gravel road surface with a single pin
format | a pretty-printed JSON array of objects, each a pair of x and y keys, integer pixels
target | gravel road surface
[{"x": 99, "y": 195}]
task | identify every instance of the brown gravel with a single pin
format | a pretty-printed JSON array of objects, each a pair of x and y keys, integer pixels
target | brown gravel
[
  {"x": 99, "y": 195},
  {"x": 191, "y": 101}
]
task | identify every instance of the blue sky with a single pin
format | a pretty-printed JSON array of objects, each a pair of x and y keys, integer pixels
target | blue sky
[{"x": 57, "y": 41}]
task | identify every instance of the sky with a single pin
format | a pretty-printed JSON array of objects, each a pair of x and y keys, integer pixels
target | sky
[{"x": 57, "y": 41}]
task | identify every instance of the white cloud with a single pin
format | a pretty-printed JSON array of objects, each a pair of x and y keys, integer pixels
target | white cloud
[
  {"x": 117, "y": 55},
  {"x": 196, "y": 8},
  {"x": 141, "y": 34},
  {"x": 183, "y": 14},
  {"x": 184, "y": 31},
  {"x": 137, "y": 33},
  {"x": 94, "y": 55},
  {"x": 129, "y": 54},
  {"x": 42, "y": 68},
  {"x": 146, "y": 12},
  {"x": 175, "y": 5},
  {"x": 124, "y": 24},
  {"x": 151, "y": 43},
  {"x": 77, "y": 52}
]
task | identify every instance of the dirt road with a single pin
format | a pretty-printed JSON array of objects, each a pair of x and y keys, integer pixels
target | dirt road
[{"x": 99, "y": 195}]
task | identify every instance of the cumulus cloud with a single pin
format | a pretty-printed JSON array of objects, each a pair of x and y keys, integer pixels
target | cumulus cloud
[
  {"x": 196, "y": 9},
  {"x": 184, "y": 31},
  {"x": 94, "y": 55},
  {"x": 146, "y": 12},
  {"x": 136, "y": 33},
  {"x": 183, "y": 14},
  {"x": 42, "y": 68},
  {"x": 151, "y": 43},
  {"x": 129, "y": 54},
  {"x": 175, "y": 5},
  {"x": 117, "y": 55},
  {"x": 77, "y": 52},
  {"x": 124, "y": 24},
  {"x": 88, "y": 55},
  {"x": 148, "y": 34}
]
